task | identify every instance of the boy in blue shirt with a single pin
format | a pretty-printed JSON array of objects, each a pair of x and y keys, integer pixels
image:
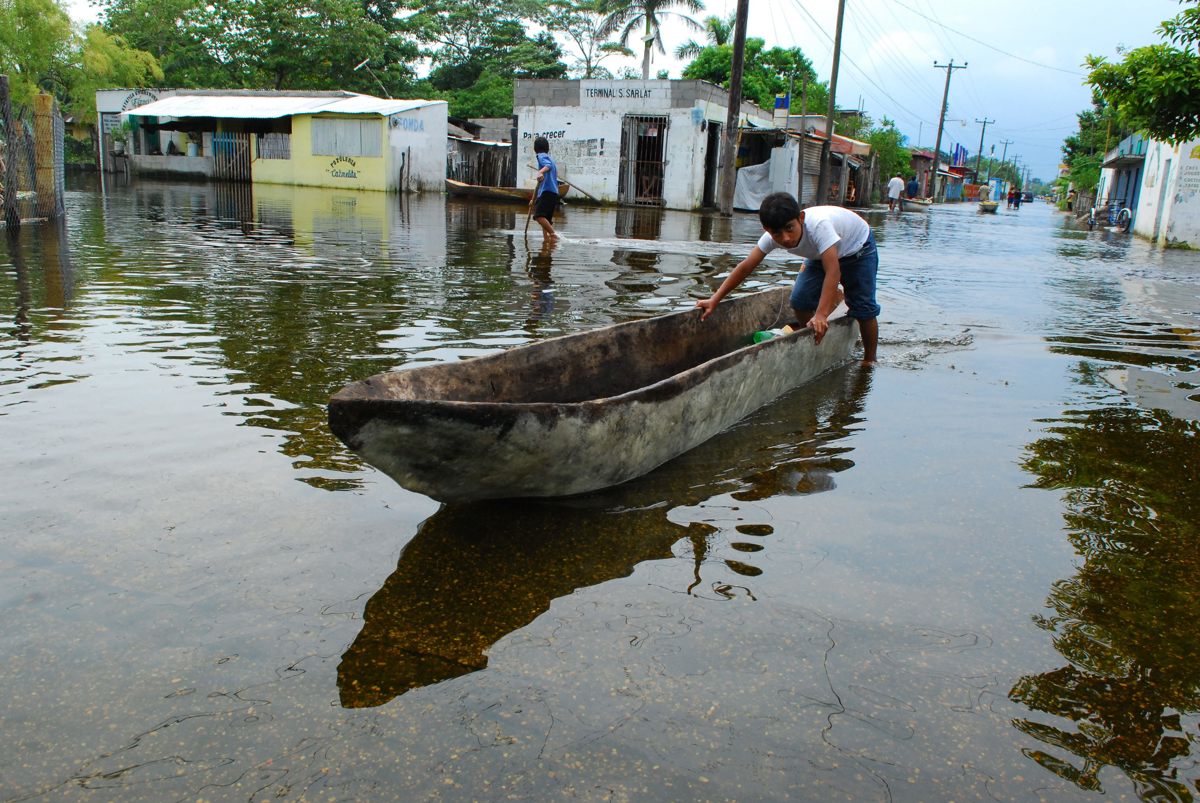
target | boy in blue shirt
[
  {"x": 546, "y": 199},
  {"x": 839, "y": 248}
]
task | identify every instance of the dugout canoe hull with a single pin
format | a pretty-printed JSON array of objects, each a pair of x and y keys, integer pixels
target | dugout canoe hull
[
  {"x": 580, "y": 412},
  {"x": 516, "y": 194},
  {"x": 915, "y": 204}
]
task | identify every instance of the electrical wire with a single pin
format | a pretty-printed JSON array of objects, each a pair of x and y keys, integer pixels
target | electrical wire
[{"x": 990, "y": 47}]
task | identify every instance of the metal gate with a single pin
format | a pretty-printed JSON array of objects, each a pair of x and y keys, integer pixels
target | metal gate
[
  {"x": 643, "y": 160},
  {"x": 231, "y": 155}
]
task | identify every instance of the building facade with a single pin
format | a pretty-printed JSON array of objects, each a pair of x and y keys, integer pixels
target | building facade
[
  {"x": 340, "y": 140},
  {"x": 639, "y": 143},
  {"x": 1168, "y": 205}
]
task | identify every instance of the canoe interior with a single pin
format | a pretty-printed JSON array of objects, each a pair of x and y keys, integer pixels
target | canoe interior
[{"x": 602, "y": 363}]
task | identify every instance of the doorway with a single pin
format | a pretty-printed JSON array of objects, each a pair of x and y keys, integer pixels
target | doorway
[
  {"x": 643, "y": 160},
  {"x": 711, "y": 152}
]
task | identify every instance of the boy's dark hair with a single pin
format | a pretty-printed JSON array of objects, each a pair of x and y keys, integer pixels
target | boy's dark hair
[
  {"x": 777, "y": 210},
  {"x": 541, "y": 145}
]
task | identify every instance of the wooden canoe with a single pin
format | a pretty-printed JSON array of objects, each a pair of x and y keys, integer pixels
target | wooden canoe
[
  {"x": 584, "y": 411},
  {"x": 989, "y": 206},
  {"x": 517, "y": 194},
  {"x": 916, "y": 204}
]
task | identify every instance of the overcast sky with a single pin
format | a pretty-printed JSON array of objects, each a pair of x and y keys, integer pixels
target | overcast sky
[{"x": 1023, "y": 61}]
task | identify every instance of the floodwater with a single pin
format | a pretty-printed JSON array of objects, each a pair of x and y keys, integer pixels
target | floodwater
[{"x": 969, "y": 573}]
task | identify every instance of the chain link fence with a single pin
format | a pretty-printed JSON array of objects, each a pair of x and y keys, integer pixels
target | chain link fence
[{"x": 32, "y": 160}]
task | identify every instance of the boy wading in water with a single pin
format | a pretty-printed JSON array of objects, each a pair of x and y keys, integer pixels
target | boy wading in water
[
  {"x": 546, "y": 200},
  {"x": 839, "y": 248}
]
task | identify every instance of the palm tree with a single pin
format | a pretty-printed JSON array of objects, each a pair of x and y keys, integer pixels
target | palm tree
[
  {"x": 716, "y": 30},
  {"x": 630, "y": 15}
]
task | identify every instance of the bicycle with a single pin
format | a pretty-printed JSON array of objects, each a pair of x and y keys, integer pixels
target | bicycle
[{"x": 1115, "y": 213}]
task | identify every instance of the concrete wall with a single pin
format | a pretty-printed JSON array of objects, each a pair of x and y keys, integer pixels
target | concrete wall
[
  {"x": 583, "y": 121},
  {"x": 417, "y": 141},
  {"x": 187, "y": 166},
  {"x": 1168, "y": 210}
]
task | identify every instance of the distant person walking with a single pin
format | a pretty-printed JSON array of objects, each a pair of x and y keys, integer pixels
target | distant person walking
[
  {"x": 912, "y": 188},
  {"x": 1071, "y": 196},
  {"x": 546, "y": 199},
  {"x": 894, "y": 188}
]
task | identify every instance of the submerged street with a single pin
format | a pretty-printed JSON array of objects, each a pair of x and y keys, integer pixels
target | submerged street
[{"x": 969, "y": 572}]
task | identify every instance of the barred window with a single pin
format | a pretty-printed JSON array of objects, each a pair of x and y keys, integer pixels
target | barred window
[{"x": 332, "y": 136}]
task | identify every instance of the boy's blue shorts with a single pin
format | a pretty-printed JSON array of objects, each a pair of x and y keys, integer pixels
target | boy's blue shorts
[{"x": 858, "y": 280}]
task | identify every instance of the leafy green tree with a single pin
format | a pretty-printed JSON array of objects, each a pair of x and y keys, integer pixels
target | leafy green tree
[
  {"x": 887, "y": 144},
  {"x": 269, "y": 44},
  {"x": 1156, "y": 89},
  {"x": 35, "y": 44},
  {"x": 105, "y": 60},
  {"x": 580, "y": 22},
  {"x": 766, "y": 73},
  {"x": 178, "y": 33},
  {"x": 631, "y": 16},
  {"x": 1099, "y": 129}
]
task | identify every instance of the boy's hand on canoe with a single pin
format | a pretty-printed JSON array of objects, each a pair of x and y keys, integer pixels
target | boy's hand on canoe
[
  {"x": 820, "y": 325},
  {"x": 707, "y": 305}
]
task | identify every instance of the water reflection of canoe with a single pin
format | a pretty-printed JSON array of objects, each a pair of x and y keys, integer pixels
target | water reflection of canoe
[
  {"x": 580, "y": 412},
  {"x": 518, "y": 194},
  {"x": 989, "y": 206},
  {"x": 916, "y": 204},
  {"x": 435, "y": 619}
]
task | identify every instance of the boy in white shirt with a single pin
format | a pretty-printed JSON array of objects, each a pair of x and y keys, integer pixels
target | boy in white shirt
[{"x": 839, "y": 248}]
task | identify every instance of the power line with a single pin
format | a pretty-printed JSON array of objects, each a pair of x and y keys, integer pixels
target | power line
[
  {"x": 990, "y": 47},
  {"x": 860, "y": 70}
]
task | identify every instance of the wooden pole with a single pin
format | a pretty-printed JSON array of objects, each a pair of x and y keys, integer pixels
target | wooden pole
[
  {"x": 937, "y": 147},
  {"x": 43, "y": 156},
  {"x": 803, "y": 134},
  {"x": 733, "y": 114},
  {"x": 979, "y": 155},
  {"x": 823, "y": 185}
]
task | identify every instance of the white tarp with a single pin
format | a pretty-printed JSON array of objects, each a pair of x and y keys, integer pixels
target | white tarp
[{"x": 752, "y": 185}]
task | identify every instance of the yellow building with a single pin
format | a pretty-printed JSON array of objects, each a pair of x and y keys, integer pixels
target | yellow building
[{"x": 342, "y": 140}]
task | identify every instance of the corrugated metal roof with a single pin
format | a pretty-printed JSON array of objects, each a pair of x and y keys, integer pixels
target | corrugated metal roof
[{"x": 265, "y": 107}]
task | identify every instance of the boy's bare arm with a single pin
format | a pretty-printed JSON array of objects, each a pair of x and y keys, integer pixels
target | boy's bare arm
[
  {"x": 735, "y": 277},
  {"x": 829, "y": 296}
]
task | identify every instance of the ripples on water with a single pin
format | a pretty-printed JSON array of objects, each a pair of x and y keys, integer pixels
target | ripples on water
[{"x": 848, "y": 595}]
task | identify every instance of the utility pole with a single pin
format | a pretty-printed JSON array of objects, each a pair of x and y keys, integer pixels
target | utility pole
[
  {"x": 937, "y": 148},
  {"x": 823, "y": 184},
  {"x": 1005, "y": 143},
  {"x": 803, "y": 135},
  {"x": 733, "y": 114},
  {"x": 979, "y": 156}
]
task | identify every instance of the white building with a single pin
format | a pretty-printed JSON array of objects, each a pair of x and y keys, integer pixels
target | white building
[
  {"x": 1168, "y": 209},
  {"x": 643, "y": 143}
]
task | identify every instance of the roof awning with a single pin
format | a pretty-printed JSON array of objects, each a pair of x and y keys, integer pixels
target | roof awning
[
  {"x": 1124, "y": 160},
  {"x": 269, "y": 107},
  {"x": 487, "y": 143}
]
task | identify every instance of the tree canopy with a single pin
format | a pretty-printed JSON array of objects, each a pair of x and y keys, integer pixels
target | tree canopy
[
  {"x": 1156, "y": 89},
  {"x": 766, "y": 73}
]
